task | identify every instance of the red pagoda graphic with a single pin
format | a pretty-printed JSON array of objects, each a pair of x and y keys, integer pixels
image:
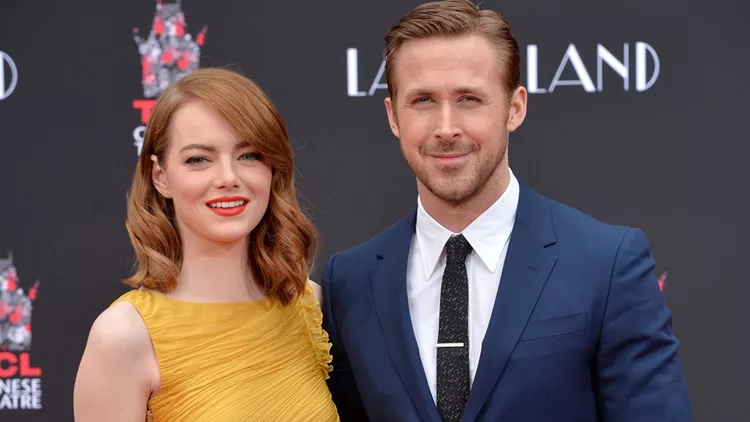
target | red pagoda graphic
[
  {"x": 15, "y": 309},
  {"x": 169, "y": 52}
]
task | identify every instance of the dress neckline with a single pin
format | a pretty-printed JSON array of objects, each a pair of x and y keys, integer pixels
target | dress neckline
[{"x": 162, "y": 296}]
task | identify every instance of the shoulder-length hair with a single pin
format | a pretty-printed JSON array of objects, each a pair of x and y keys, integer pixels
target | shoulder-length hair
[{"x": 281, "y": 245}]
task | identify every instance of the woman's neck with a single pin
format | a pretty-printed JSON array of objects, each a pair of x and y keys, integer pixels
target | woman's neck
[{"x": 216, "y": 272}]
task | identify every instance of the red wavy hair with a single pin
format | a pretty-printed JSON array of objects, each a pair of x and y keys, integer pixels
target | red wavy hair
[{"x": 281, "y": 246}]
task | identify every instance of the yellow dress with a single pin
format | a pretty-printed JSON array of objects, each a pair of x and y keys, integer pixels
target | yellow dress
[{"x": 246, "y": 361}]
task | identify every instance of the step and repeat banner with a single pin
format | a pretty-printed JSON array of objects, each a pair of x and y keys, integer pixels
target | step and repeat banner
[{"x": 637, "y": 115}]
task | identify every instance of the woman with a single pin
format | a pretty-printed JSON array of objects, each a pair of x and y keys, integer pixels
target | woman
[{"x": 224, "y": 324}]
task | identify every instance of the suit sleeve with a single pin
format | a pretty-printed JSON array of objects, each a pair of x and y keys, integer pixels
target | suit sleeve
[
  {"x": 341, "y": 382},
  {"x": 638, "y": 371}
]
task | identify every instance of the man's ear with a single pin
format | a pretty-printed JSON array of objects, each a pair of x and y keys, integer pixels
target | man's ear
[
  {"x": 159, "y": 178},
  {"x": 392, "y": 120},
  {"x": 517, "y": 109}
]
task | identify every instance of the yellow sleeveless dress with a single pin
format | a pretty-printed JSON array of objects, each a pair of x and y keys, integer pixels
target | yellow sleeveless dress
[{"x": 246, "y": 361}]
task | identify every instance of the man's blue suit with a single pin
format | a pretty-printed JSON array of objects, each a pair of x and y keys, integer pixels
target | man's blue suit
[{"x": 579, "y": 331}]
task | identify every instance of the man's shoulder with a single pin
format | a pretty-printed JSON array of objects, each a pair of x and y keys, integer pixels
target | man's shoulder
[
  {"x": 580, "y": 219},
  {"x": 572, "y": 223},
  {"x": 362, "y": 254}
]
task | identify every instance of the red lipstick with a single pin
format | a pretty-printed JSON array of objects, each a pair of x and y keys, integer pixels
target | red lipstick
[{"x": 228, "y": 206}]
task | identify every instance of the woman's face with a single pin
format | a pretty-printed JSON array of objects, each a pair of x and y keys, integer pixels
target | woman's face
[{"x": 219, "y": 185}]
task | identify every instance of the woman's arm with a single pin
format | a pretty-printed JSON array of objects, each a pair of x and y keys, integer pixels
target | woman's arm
[{"x": 118, "y": 370}]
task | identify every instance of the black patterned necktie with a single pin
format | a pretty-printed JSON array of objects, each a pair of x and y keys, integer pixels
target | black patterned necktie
[{"x": 453, "y": 334}]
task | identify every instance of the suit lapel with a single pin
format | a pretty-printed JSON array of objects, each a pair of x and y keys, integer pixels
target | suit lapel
[
  {"x": 388, "y": 282},
  {"x": 525, "y": 272}
]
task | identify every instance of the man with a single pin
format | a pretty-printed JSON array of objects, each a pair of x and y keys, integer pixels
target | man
[{"x": 490, "y": 302}]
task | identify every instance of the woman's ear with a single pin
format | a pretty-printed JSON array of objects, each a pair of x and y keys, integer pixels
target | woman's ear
[{"x": 159, "y": 178}]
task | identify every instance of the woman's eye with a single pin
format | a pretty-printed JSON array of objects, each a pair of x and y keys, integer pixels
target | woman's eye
[
  {"x": 250, "y": 156},
  {"x": 196, "y": 160}
]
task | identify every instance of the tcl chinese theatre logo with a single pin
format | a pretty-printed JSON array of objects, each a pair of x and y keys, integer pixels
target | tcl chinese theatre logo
[
  {"x": 20, "y": 381},
  {"x": 168, "y": 54}
]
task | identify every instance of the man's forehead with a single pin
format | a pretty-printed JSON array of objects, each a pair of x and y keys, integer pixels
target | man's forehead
[{"x": 454, "y": 77}]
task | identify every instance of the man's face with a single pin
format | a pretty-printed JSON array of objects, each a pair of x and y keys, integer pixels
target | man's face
[{"x": 452, "y": 113}]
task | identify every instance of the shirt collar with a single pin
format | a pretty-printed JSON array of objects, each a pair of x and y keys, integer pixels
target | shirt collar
[{"x": 487, "y": 234}]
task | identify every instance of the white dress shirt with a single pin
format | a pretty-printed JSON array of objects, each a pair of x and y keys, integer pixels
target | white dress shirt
[{"x": 488, "y": 235}]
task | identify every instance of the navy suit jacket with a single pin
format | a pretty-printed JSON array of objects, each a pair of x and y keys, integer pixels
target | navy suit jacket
[{"x": 579, "y": 331}]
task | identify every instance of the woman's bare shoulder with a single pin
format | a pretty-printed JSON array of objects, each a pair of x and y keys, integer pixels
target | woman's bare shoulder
[
  {"x": 317, "y": 290},
  {"x": 119, "y": 331},
  {"x": 118, "y": 369}
]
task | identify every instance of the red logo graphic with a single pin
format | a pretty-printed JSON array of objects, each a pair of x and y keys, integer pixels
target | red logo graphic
[
  {"x": 662, "y": 280},
  {"x": 168, "y": 54},
  {"x": 20, "y": 385},
  {"x": 15, "y": 309}
]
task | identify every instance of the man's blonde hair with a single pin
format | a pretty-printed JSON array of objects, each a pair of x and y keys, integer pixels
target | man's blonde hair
[{"x": 450, "y": 18}]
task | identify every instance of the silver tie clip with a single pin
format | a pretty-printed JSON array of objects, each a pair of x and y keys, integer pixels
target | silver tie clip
[{"x": 450, "y": 345}]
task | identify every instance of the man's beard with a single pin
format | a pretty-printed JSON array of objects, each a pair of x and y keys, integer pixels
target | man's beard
[{"x": 446, "y": 183}]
